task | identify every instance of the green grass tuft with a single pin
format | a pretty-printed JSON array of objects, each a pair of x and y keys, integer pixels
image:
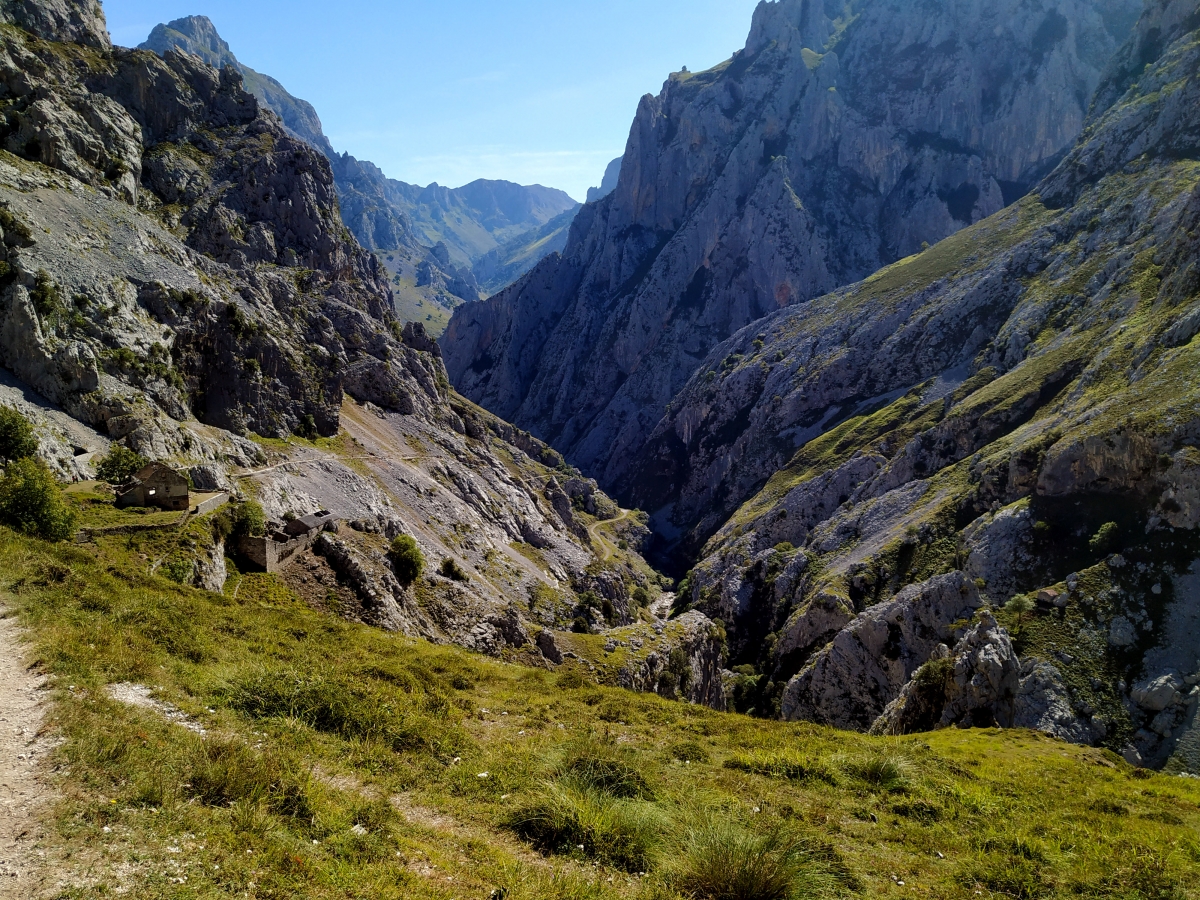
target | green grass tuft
[
  {"x": 566, "y": 819},
  {"x": 784, "y": 764},
  {"x": 723, "y": 861}
]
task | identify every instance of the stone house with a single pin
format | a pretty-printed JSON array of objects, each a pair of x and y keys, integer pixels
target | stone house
[
  {"x": 158, "y": 486},
  {"x": 276, "y": 550},
  {"x": 308, "y": 524}
]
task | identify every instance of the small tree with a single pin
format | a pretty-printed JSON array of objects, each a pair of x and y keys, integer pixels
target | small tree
[
  {"x": 1106, "y": 538},
  {"x": 1019, "y": 606},
  {"x": 31, "y": 502},
  {"x": 408, "y": 562},
  {"x": 250, "y": 520},
  {"x": 16, "y": 436},
  {"x": 237, "y": 522},
  {"x": 119, "y": 465}
]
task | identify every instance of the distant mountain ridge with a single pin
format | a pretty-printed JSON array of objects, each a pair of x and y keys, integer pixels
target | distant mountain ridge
[
  {"x": 385, "y": 214},
  {"x": 511, "y": 260},
  {"x": 491, "y": 213},
  {"x": 609, "y": 184}
]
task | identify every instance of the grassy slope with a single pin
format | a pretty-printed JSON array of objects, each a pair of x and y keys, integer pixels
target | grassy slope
[
  {"x": 430, "y": 307},
  {"x": 316, "y": 726}
]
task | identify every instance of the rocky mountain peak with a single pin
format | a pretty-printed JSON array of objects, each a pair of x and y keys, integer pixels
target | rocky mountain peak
[
  {"x": 73, "y": 21},
  {"x": 194, "y": 34},
  {"x": 800, "y": 22}
]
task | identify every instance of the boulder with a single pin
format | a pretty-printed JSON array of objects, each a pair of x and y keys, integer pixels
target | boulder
[
  {"x": 687, "y": 663},
  {"x": 1121, "y": 632},
  {"x": 1043, "y": 703},
  {"x": 986, "y": 675},
  {"x": 210, "y": 479},
  {"x": 549, "y": 647},
  {"x": 211, "y": 572},
  {"x": 1157, "y": 693}
]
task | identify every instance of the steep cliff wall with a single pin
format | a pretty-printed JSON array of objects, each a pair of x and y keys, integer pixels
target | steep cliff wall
[
  {"x": 841, "y": 139},
  {"x": 1014, "y": 407}
]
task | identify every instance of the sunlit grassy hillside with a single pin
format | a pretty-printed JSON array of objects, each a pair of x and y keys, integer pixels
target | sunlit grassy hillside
[{"x": 342, "y": 762}]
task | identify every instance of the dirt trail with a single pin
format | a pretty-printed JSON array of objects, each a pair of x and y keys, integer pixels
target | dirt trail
[
  {"x": 24, "y": 749},
  {"x": 605, "y": 545}
]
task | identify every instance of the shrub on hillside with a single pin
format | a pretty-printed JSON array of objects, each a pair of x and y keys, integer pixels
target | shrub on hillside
[
  {"x": 16, "y": 436},
  {"x": 249, "y": 520},
  {"x": 786, "y": 764},
  {"x": 336, "y": 703},
  {"x": 452, "y": 570},
  {"x": 885, "y": 773},
  {"x": 1106, "y": 539},
  {"x": 408, "y": 562},
  {"x": 31, "y": 502},
  {"x": 689, "y": 752},
  {"x": 119, "y": 465},
  {"x": 599, "y": 764},
  {"x": 222, "y": 773},
  {"x": 236, "y": 522}
]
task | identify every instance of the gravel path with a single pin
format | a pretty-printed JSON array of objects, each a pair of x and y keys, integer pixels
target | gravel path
[
  {"x": 23, "y": 752},
  {"x": 605, "y": 545}
]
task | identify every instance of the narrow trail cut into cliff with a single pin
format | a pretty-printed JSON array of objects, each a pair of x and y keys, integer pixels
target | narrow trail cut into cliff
[{"x": 24, "y": 748}]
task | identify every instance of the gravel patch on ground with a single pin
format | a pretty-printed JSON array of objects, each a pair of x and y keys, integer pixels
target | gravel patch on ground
[{"x": 142, "y": 697}]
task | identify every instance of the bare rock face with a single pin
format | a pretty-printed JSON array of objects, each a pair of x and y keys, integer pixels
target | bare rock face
[
  {"x": 985, "y": 679},
  {"x": 975, "y": 685},
  {"x": 385, "y": 604},
  {"x": 686, "y": 664},
  {"x": 1163, "y": 123},
  {"x": 841, "y": 139},
  {"x": 1015, "y": 403},
  {"x": 802, "y": 410},
  {"x": 211, "y": 571},
  {"x": 1000, "y": 549},
  {"x": 75, "y": 21},
  {"x": 849, "y": 682},
  {"x": 223, "y": 286},
  {"x": 1043, "y": 703},
  {"x": 982, "y": 684}
]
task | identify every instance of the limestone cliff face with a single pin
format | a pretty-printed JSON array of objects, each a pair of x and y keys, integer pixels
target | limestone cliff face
[
  {"x": 385, "y": 214},
  {"x": 841, "y": 139},
  {"x": 1013, "y": 408},
  {"x": 214, "y": 285},
  {"x": 944, "y": 316},
  {"x": 77, "y": 21},
  {"x": 198, "y": 36}
]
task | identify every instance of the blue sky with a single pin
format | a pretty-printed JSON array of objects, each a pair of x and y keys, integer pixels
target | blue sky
[{"x": 533, "y": 91}]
